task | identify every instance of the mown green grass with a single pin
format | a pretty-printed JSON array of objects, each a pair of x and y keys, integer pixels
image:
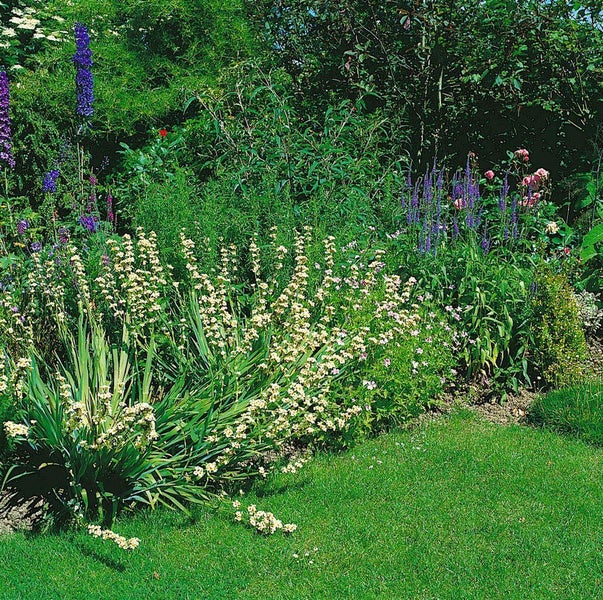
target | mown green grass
[
  {"x": 577, "y": 410},
  {"x": 456, "y": 509}
]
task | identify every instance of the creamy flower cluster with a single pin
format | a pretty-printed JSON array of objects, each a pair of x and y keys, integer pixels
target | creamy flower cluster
[
  {"x": 106, "y": 534},
  {"x": 47, "y": 280},
  {"x": 13, "y": 374},
  {"x": 13, "y": 430},
  {"x": 27, "y": 20},
  {"x": 133, "y": 280},
  {"x": 262, "y": 521},
  {"x": 16, "y": 328},
  {"x": 307, "y": 351}
]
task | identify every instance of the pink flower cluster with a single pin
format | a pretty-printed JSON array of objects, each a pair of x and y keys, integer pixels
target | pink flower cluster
[
  {"x": 522, "y": 154},
  {"x": 533, "y": 182},
  {"x": 460, "y": 203},
  {"x": 535, "y": 179}
]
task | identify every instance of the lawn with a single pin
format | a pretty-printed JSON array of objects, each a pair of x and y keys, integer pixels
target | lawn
[
  {"x": 457, "y": 508},
  {"x": 575, "y": 410}
]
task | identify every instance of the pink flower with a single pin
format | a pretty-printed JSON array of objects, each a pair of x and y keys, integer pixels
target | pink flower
[
  {"x": 522, "y": 154},
  {"x": 460, "y": 203},
  {"x": 489, "y": 175},
  {"x": 529, "y": 202},
  {"x": 566, "y": 251},
  {"x": 542, "y": 173},
  {"x": 533, "y": 180}
]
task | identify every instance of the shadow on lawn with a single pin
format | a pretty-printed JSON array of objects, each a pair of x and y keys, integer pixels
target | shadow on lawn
[
  {"x": 272, "y": 488},
  {"x": 97, "y": 557}
]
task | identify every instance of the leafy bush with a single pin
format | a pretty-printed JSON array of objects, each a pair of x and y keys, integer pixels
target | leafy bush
[
  {"x": 559, "y": 350},
  {"x": 576, "y": 410},
  {"x": 489, "y": 299},
  {"x": 477, "y": 74},
  {"x": 148, "y": 59},
  {"x": 250, "y": 161}
]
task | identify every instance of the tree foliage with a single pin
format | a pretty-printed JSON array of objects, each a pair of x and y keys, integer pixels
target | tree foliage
[{"x": 482, "y": 75}]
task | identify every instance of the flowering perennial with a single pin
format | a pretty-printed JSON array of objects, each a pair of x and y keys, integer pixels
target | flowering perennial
[
  {"x": 50, "y": 181},
  {"x": 107, "y": 534},
  {"x": 262, "y": 521},
  {"x": 6, "y": 154},
  {"x": 15, "y": 429},
  {"x": 84, "y": 80}
]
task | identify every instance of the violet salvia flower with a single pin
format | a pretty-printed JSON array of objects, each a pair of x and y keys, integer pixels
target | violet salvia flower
[
  {"x": 84, "y": 81},
  {"x": 89, "y": 222},
  {"x": 514, "y": 228},
  {"x": 50, "y": 181},
  {"x": 485, "y": 241},
  {"x": 413, "y": 212},
  {"x": 110, "y": 214},
  {"x": 478, "y": 217},
  {"x": 22, "y": 226},
  {"x": 428, "y": 189},
  {"x": 504, "y": 194},
  {"x": 63, "y": 235},
  {"x": 6, "y": 153},
  {"x": 428, "y": 241}
]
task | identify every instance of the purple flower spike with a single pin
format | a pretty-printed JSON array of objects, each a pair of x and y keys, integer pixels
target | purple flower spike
[
  {"x": 22, "y": 226},
  {"x": 485, "y": 241},
  {"x": 50, "y": 181},
  {"x": 63, "y": 235},
  {"x": 514, "y": 229},
  {"x": 110, "y": 213},
  {"x": 6, "y": 153},
  {"x": 89, "y": 222},
  {"x": 84, "y": 80},
  {"x": 504, "y": 193}
]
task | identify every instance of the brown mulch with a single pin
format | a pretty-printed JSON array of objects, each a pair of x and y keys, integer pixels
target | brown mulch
[{"x": 512, "y": 411}]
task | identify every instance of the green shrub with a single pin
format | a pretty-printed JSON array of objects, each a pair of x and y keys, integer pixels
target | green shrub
[
  {"x": 485, "y": 295},
  {"x": 249, "y": 162},
  {"x": 559, "y": 349},
  {"x": 575, "y": 410},
  {"x": 402, "y": 376}
]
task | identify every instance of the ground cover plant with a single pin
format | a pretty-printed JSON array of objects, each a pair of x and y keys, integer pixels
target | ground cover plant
[{"x": 459, "y": 507}]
